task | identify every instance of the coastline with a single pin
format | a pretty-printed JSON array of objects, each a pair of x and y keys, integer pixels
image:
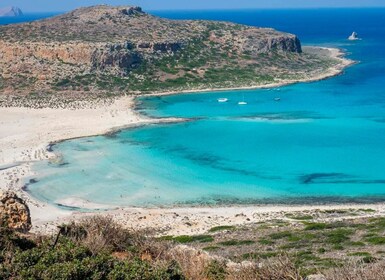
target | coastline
[
  {"x": 26, "y": 133},
  {"x": 336, "y": 70}
]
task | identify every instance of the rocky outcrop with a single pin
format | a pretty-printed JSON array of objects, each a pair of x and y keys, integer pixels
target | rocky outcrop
[
  {"x": 10, "y": 12},
  {"x": 271, "y": 41},
  {"x": 103, "y": 13},
  {"x": 14, "y": 212},
  {"x": 353, "y": 37},
  {"x": 285, "y": 44},
  {"x": 69, "y": 52},
  {"x": 163, "y": 47},
  {"x": 120, "y": 59}
]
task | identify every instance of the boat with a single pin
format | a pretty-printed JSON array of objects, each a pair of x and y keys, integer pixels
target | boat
[
  {"x": 243, "y": 100},
  {"x": 221, "y": 100},
  {"x": 277, "y": 99}
]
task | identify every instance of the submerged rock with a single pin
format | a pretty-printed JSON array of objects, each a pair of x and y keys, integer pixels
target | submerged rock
[{"x": 14, "y": 212}]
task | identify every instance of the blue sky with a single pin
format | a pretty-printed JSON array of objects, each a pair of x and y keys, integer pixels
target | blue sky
[{"x": 65, "y": 5}]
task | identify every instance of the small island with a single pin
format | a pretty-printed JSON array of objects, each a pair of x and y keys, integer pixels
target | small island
[
  {"x": 10, "y": 12},
  {"x": 353, "y": 37}
]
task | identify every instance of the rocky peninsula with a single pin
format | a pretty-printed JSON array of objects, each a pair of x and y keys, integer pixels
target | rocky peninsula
[{"x": 109, "y": 51}]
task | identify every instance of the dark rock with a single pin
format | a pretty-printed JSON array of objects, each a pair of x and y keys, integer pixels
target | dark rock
[
  {"x": 122, "y": 59},
  {"x": 132, "y": 11}
]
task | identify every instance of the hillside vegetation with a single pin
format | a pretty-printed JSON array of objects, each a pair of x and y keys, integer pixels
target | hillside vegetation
[{"x": 97, "y": 248}]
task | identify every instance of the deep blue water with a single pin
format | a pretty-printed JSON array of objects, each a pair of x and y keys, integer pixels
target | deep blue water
[{"x": 323, "y": 142}]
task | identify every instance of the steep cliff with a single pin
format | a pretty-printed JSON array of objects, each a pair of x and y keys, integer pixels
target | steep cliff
[{"x": 123, "y": 49}]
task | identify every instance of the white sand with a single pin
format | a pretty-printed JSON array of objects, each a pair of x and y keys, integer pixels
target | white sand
[
  {"x": 26, "y": 133},
  {"x": 198, "y": 220}
]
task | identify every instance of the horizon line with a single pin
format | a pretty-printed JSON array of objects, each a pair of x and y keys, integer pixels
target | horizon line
[{"x": 220, "y": 9}]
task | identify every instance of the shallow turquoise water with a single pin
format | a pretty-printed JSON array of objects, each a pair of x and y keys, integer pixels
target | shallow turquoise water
[{"x": 323, "y": 142}]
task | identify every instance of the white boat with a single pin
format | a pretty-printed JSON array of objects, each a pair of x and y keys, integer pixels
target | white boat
[
  {"x": 277, "y": 99},
  {"x": 243, "y": 102},
  {"x": 222, "y": 100}
]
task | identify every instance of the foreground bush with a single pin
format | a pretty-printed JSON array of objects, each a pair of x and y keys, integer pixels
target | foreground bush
[
  {"x": 97, "y": 248},
  {"x": 83, "y": 251}
]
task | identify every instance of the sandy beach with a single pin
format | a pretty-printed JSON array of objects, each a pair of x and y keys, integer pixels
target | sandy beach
[{"x": 26, "y": 133}]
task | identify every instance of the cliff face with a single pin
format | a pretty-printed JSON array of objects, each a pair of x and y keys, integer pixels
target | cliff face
[
  {"x": 104, "y": 40},
  {"x": 109, "y": 59}
]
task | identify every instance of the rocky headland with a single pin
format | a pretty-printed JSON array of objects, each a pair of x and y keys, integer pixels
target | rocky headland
[{"x": 108, "y": 51}]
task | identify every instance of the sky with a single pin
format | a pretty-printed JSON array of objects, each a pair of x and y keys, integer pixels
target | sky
[{"x": 66, "y": 5}]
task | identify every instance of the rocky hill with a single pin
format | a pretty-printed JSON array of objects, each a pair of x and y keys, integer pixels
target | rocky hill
[
  {"x": 10, "y": 12},
  {"x": 113, "y": 50}
]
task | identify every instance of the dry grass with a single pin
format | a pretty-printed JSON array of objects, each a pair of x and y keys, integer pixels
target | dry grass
[
  {"x": 102, "y": 235},
  {"x": 279, "y": 268},
  {"x": 192, "y": 262},
  {"x": 358, "y": 271},
  {"x": 99, "y": 234},
  {"x": 197, "y": 265}
]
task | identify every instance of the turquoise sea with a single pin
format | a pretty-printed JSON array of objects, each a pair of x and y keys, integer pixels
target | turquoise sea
[{"x": 322, "y": 142}]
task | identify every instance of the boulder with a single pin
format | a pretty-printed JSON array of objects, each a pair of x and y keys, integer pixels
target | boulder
[{"x": 14, "y": 212}]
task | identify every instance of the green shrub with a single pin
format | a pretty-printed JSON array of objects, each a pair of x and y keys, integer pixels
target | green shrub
[
  {"x": 221, "y": 228},
  {"x": 315, "y": 226},
  {"x": 376, "y": 240},
  {"x": 280, "y": 235},
  {"x": 193, "y": 238},
  {"x": 236, "y": 242},
  {"x": 140, "y": 270},
  {"x": 339, "y": 236},
  {"x": 265, "y": 242}
]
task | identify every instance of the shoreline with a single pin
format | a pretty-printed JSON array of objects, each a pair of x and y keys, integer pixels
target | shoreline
[
  {"x": 335, "y": 53},
  {"x": 26, "y": 135},
  {"x": 198, "y": 220}
]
